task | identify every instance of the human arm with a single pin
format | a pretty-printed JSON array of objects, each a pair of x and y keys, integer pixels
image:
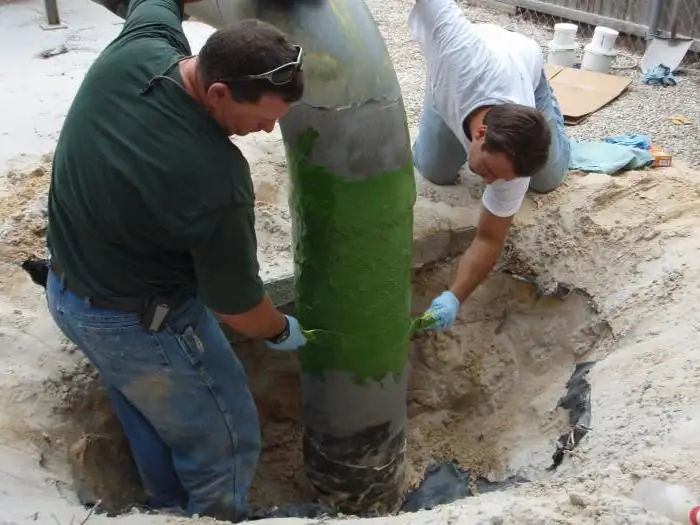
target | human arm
[
  {"x": 262, "y": 321},
  {"x": 441, "y": 29},
  {"x": 224, "y": 253},
  {"x": 501, "y": 200},
  {"x": 152, "y": 18},
  {"x": 481, "y": 256},
  {"x": 473, "y": 268}
]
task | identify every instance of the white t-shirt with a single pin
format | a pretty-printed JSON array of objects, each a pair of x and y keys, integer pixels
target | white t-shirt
[{"x": 475, "y": 65}]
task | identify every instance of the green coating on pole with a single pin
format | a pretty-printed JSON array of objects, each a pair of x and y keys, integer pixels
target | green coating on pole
[{"x": 352, "y": 252}]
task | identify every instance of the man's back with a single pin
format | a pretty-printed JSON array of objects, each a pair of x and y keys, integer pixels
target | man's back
[
  {"x": 468, "y": 67},
  {"x": 520, "y": 51},
  {"x": 142, "y": 175},
  {"x": 474, "y": 67},
  {"x": 148, "y": 198}
]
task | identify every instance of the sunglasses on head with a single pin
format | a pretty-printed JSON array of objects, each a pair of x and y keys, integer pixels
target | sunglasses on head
[{"x": 279, "y": 76}]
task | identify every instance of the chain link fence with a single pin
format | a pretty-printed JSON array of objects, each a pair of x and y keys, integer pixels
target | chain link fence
[{"x": 636, "y": 20}]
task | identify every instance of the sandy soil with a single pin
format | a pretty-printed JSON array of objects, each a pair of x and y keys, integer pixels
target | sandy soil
[{"x": 483, "y": 394}]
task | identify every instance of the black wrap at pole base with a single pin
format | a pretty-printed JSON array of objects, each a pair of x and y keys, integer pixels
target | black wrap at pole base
[
  {"x": 354, "y": 467},
  {"x": 368, "y": 489}
]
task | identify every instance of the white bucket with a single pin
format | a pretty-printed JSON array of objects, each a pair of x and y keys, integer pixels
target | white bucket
[
  {"x": 564, "y": 56},
  {"x": 604, "y": 39},
  {"x": 598, "y": 60},
  {"x": 564, "y": 35}
]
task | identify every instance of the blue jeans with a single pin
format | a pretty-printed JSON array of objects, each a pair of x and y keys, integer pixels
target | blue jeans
[
  {"x": 438, "y": 155},
  {"x": 181, "y": 396}
]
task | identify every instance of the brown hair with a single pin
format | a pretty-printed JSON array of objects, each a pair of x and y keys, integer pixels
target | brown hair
[
  {"x": 519, "y": 132},
  {"x": 249, "y": 47}
]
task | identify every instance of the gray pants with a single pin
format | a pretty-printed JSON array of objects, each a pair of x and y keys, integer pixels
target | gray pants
[{"x": 438, "y": 154}]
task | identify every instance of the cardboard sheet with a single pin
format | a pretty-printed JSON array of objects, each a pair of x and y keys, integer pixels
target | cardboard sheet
[
  {"x": 581, "y": 93},
  {"x": 552, "y": 71}
]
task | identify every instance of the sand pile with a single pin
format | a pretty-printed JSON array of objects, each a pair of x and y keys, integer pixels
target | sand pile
[
  {"x": 483, "y": 394},
  {"x": 23, "y": 201}
]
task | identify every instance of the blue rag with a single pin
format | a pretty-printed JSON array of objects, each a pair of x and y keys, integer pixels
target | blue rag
[
  {"x": 633, "y": 141},
  {"x": 659, "y": 75},
  {"x": 604, "y": 157}
]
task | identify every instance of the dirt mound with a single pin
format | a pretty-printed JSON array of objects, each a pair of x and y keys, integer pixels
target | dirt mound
[
  {"x": 616, "y": 268},
  {"x": 483, "y": 395}
]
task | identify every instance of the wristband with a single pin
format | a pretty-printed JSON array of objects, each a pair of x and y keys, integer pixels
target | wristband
[{"x": 282, "y": 336}]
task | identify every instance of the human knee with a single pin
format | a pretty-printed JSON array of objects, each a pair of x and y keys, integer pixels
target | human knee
[
  {"x": 151, "y": 455},
  {"x": 215, "y": 447},
  {"x": 213, "y": 493},
  {"x": 434, "y": 168},
  {"x": 218, "y": 477},
  {"x": 551, "y": 176},
  {"x": 547, "y": 185},
  {"x": 437, "y": 153}
]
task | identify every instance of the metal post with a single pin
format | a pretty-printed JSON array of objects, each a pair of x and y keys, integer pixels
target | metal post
[
  {"x": 52, "y": 17},
  {"x": 654, "y": 18},
  {"x": 53, "y": 20}
]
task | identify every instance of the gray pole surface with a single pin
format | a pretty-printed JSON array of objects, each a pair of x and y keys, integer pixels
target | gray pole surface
[
  {"x": 352, "y": 195},
  {"x": 654, "y": 17}
]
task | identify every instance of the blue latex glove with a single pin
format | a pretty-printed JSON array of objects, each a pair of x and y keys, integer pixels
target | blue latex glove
[
  {"x": 442, "y": 312},
  {"x": 295, "y": 339}
]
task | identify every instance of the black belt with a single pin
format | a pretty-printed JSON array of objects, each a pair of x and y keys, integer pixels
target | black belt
[{"x": 126, "y": 305}]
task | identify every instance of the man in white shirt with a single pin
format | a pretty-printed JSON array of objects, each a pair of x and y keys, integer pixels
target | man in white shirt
[{"x": 488, "y": 102}]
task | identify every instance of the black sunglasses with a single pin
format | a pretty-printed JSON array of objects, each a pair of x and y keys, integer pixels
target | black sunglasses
[{"x": 279, "y": 76}]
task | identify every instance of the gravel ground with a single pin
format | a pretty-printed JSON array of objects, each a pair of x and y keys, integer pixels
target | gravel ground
[{"x": 641, "y": 109}]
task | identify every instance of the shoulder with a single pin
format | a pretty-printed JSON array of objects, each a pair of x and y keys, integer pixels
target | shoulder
[
  {"x": 199, "y": 168},
  {"x": 221, "y": 177},
  {"x": 504, "y": 198},
  {"x": 516, "y": 66},
  {"x": 201, "y": 183},
  {"x": 238, "y": 176}
]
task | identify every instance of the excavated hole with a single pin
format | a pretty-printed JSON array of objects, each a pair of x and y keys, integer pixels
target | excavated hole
[{"x": 484, "y": 394}]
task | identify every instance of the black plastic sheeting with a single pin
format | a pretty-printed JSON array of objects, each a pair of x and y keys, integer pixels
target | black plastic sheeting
[
  {"x": 577, "y": 401},
  {"x": 442, "y": 483},
  {"x": 447, "y": 482}
]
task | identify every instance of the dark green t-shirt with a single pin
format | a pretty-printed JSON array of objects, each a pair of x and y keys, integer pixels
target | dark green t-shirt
[{"x": 148, "y": 195}]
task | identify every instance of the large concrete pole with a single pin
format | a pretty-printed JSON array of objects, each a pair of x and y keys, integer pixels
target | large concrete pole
[{"x": 351, "y": 199}]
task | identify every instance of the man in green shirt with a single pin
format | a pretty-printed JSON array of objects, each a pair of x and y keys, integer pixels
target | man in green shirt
[{"x": 151, "y": 227}]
